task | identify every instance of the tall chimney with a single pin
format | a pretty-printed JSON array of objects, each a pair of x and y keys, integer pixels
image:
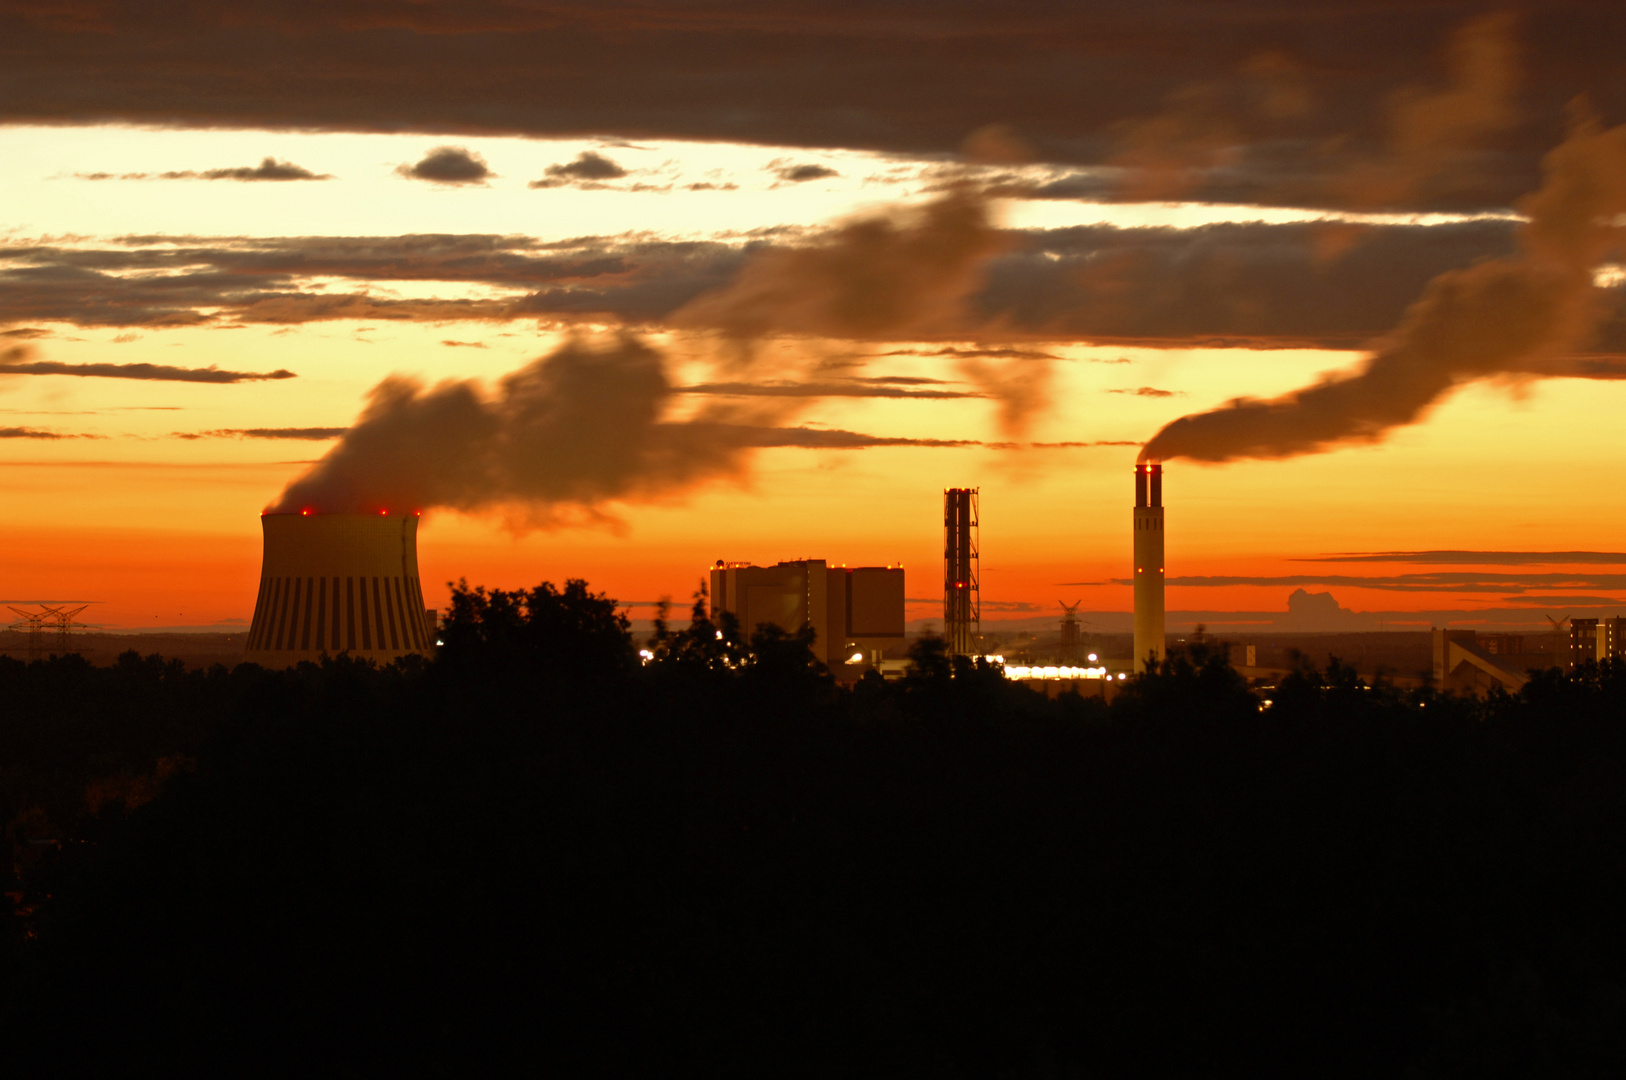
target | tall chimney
[
  {"x": 962, "y": 604},
  {"x": 1149, "y": 628},
  {"x": 338, "y": 583}
]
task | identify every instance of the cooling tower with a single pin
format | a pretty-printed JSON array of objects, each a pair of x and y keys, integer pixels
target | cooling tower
[
  {"x": 1148, "y": 562},
  {"x": 339, "y": 583}
]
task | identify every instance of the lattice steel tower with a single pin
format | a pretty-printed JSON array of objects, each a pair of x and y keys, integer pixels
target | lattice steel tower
[{"x": 962, "y": 606}]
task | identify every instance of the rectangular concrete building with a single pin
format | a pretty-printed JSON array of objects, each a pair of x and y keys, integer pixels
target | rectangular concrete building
[{"x": 854, "y": 611}]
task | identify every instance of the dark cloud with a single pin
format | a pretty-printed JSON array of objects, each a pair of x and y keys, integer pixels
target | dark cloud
[
  {"x": 861, "y": 388},
  {"x": 464, "y": 344},
  {"x": 1094, "y": 186},
  {"x": 1231, "y": 284},
  {"x": 824, "y": 438},
  {"x": 1300, "y": 90},
  {"x": 17, "y": 360},
  {"x": 1478, "y": 558},
  {"x": 448, "y": 165},
  {"x": 1007, "y": 353},
  {"x": 587, "y": 166},
  {"x": 1320, "y": 285},
  {"x": 31, "y": 433},
  {"x": 314, "y": 434},
  {"x": 797, "y": 174},
  {"x": 25, "y": 333},
  {"x": 1147, "y": 391},
  {"x": 268, "y": 169}
]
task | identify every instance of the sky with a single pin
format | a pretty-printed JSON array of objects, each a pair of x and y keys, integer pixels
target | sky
[{"x": 612, "y": 291}]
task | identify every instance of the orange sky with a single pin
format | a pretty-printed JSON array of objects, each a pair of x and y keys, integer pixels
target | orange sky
[{"x": 162, "y": 530}]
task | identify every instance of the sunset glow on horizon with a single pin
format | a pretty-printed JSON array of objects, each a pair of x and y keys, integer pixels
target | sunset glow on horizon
[{"x": 184, "y": 338}]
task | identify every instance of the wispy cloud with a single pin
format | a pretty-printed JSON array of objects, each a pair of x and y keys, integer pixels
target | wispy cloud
[
  {"x": 448, "y": 165},
  {"x": 800, "y": 174},
  {"x": 35, "y": 433},
  {"x": 858, "y": 388},
  {"x": 588, "y": 167},
  {"x": 310, "y": 433},
  {"x": 1438, "y": 581},
  {"x": 17, "y": 360},
  {"x": 1474, "y": 558},
  {"x": 269, "y": 169}
]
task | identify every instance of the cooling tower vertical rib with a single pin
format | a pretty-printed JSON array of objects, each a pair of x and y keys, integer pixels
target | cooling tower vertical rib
[
  {"x": 259, "y": 615},
  {"x": 378, "y": 615},
  {"x": 389, "y": 613},
  {"x": 290, "y": 614},
  {"x": 350, "y": 612},
  {"x": 321, "y": 613},
  {"x": 310, "y": 601}
]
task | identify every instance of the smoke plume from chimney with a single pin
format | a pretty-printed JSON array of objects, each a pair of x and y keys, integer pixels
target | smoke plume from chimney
[{"x": 1515, "y": 317}]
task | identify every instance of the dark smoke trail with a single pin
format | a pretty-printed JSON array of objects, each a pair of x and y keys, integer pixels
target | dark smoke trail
[{"x": 1507, "y": 317}]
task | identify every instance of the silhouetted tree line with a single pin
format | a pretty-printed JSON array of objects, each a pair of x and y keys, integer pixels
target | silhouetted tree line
[{"x": 546, "y": 850}]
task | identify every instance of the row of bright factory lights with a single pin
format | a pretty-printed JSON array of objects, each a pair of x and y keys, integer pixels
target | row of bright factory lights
[
  {"x": 1012, "y": 671},
  {"x": 1061, "y": 671}
]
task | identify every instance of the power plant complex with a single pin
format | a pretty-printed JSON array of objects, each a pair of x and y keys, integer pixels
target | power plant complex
[
  {"x": 333, "y": 584},
  {"x": 339, "y": 583}
]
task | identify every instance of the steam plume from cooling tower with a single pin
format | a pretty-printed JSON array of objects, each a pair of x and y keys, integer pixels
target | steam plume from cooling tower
[
  {"x": 586, "y": 424},
  {"x": 887, "y": 274},
  {"x": 1507, "y": 317},
  {"x": 575, "y": 428}
]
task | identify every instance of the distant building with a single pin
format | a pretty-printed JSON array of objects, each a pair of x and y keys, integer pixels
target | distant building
[
  {"x": 856, "y": 612},
  {"x": 1583, "y": 641},
  {"x": 1595, "y": 639},
  {"x": 1501, "y": 644},
  {"x": 1469, "y": 663}
]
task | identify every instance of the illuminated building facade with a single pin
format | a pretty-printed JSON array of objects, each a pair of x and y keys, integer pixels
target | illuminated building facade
[{"x": 854, "y": 611}]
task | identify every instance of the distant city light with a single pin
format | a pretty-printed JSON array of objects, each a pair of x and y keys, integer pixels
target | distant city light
[{"x": 1059, "y": 672}]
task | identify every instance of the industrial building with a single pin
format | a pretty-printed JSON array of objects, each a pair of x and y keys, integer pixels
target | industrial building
[
  {"x": 856, "y": 612},
  {"x": 334, "y": 584},
  {"x": 1466, "y": 664},
  {"x": 1595, "y": 639},
  {"x": 1149, "y": 576}
]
